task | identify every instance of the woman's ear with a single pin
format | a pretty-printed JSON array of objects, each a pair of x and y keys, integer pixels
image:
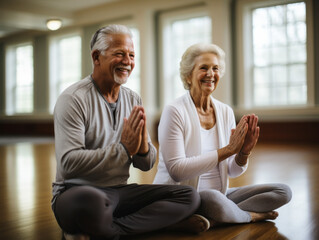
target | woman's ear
[
  {"x": 188, "y": 80},
  {"x": 95, "y": 56}
]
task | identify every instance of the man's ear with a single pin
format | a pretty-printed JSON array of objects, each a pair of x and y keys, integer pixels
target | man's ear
[{"x": 95, "y": 56}]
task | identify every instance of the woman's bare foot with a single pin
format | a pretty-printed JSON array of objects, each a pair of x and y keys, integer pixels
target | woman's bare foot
[
  {"x": 258, "y": 217},
  {"x": 193, "y": 224}
]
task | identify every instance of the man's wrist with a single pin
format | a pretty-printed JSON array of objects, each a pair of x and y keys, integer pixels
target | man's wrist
[
  {"x": 127, "y": 152},
  {"x": 144, "y": 154}
]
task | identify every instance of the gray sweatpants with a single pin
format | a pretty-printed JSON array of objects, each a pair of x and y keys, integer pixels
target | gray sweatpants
[
  {"x": 124, "y": 209},
  {"x": 234, "y": 207}
]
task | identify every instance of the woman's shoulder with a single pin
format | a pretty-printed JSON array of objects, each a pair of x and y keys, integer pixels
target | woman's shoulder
[
  {"x": 177, "y": 105},
  {"x": 221, "y": 105}
]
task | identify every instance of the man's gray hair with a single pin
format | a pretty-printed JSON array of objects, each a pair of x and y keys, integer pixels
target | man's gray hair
[
  {"x": 188, "y": 60},
  {"x": 100, "y": 40}
]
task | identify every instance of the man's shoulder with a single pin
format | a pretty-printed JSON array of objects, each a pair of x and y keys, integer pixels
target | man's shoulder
[
  {"x": 130, "y": 94},
  {"x": 77, "y": 92},
  {"x": 80, "y": 87}
]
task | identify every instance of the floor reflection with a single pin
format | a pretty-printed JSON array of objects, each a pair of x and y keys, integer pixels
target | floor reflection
[{"x": 20, "y": 179}]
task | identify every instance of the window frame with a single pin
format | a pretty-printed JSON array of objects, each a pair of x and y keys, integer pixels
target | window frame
[{"x": 244, "y": 64}]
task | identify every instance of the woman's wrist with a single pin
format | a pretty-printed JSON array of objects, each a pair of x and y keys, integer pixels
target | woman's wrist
[
  {"x": 244, "y": 154},
  {"x": 241, "y": 158},
  {"x": 224, "y": 153}
]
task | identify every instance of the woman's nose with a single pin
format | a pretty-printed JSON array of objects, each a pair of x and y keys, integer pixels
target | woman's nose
[{"x": 210, "y": 73}]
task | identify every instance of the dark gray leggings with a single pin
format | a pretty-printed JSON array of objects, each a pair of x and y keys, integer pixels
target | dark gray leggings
[
  {"x": 124, "y": 209},
  {"x": 234, "y": 207}
]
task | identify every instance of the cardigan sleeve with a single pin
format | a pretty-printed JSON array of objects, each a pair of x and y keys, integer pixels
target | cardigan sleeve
[{"x": 172, "y": 139}]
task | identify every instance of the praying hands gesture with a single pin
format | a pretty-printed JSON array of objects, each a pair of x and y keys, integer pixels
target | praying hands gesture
[
  {"x": 251, "y": 136},
  {"x": 250, "y": 140},
  {"x": 242, "y": 140},
  {"x": 236, "y": 141},
  {"x": 134, "y": 136}
]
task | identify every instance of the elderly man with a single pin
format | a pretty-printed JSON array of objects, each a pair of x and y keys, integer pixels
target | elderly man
[{"x": 100, "y": 130}]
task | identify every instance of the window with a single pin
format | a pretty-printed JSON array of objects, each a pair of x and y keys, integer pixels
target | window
[
  {"x": 134, "y": 81},
  {"x": 275, "y": 67},
  {"x": 280, "y": 56},
  {"x": 65, "y": 64},
  {"x": 19, "y": 79},
  {"x": 178, "y": 33}
]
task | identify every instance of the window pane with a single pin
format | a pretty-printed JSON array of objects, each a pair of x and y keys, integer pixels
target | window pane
[
  {"x": 296, "y": 32},
  {"x": 261, "y": 38},
  {"x": 279, "y": 75},
  {"x": 279, "y": 95},
  {"x": 297, "y": 94},
  {"x": 262, "y": 95},
  {"x": 69, "y": 64},
  {"x": 278, "y": 35},
  {"x": 279, "y": 45},
  {"x": 297, "y": 74},
  {"x": 297, "y": 53},
  {"x": 65, "y": 64},
  {"x": 276, "y": 15},
  {"x": 261, "y": 57},
  {"x": 23, "y": 89},
  {"x": 24, "y": 66},
  {"x": 24, "y": 99},
  {"x": 261, "y": 19},
  {"x": 261, "y": 76},
  {"x": 278, "y": 55},
  {"x": 134, "y": 81},
  {"x": 296, "y": 12}
]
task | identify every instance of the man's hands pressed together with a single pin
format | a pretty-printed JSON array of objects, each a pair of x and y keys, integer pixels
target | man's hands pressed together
[{"x": 134, "y": 136}]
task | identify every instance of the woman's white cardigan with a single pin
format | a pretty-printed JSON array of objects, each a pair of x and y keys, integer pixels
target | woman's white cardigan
[{"x": 180, "y": 157}]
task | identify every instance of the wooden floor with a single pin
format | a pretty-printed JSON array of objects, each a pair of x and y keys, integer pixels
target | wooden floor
[{"x": 28, "y": 168}]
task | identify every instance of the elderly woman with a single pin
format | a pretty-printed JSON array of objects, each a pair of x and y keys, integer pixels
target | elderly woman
[{"x": 201, "y": 146}]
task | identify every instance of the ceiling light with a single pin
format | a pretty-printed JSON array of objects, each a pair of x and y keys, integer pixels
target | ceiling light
[{"x": 54, "y": 24}]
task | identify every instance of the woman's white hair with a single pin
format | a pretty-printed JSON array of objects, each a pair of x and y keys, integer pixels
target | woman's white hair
[
  {"x": 188, "y": 60},
  {"x": 100, "y": 40}
]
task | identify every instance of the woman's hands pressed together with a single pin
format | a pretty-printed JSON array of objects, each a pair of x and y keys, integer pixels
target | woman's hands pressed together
[
  {"x": 236, "y": 140},
  {"x": 251, "y": 136},
  {"x": 242, "y": 140},
  {"x": 238, "y": 135},
  {"x": 250, "y": 140}
]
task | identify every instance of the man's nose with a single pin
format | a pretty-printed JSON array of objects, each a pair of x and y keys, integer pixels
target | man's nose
[{"x": 126, "y": 59}]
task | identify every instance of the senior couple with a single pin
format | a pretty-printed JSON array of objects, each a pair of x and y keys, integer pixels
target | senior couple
[{"x": 100, "y": 130}]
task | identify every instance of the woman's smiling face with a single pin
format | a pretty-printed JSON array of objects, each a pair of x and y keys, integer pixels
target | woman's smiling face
[{"x": 205, "y": 75}]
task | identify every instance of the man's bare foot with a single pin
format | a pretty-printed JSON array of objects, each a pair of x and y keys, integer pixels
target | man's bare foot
[
  {"x": 258, "y": 217},
  {"x": 194, "y": 224}
]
